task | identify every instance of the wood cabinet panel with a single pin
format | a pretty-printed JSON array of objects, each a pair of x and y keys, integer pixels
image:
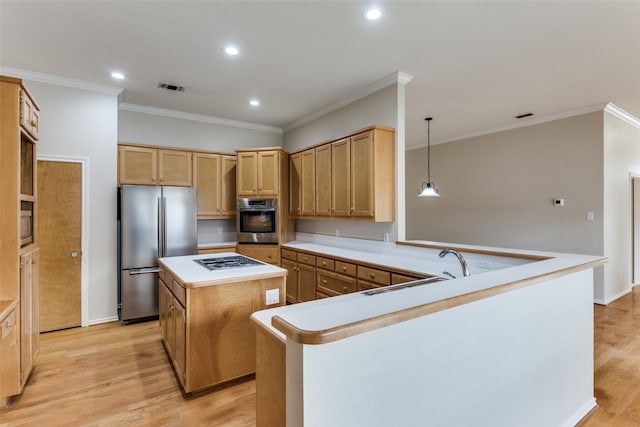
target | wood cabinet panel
[
  {"x": 175, "y": 167},
  {"x": 266, "y": 253},
  {"x": 207, "y": 174},
  {"x": 340, "y": 178},
  {"x": 292, "y": 280},
  {"x": 295, "y": 186},
  {"x": 346, "y": 268},
  {"x": 308, "y": 183},
  {"x": 401, "y": 278},
  {"x": 374, "y": 275},
  {"x": 306, "y": 258},
  {"x": 331, "y": 283},
  {"x": 289, "y": 255},
  {"x": 247, "y": 174},
  {"x": 325, "y": 263},
  {"x": 29, "y": 114},
  {"x": 228, "y": 199},
  {"x": 29, "y": 318},
  {"x": 268, "y": 173},
  {"x": 362, "y": 175},
  {"x": 323, "y": 189},
  {"x": 10, "y": 355},
  {"x": 137, "y": 165},
  {"x": 306, "y": 282}
]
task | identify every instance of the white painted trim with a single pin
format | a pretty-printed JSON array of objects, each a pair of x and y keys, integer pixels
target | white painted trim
[
  {"x": 103, "y": 320},
  {"x": 611, "y": 299},
  {"x": 84, "y": 245},
  {"x": 60, "y": 81},
  {"x": 197, "y": 117},
  {"x": 395, "y": 78},
  {"x": 581, "y": 413},
  {"x": 529, "y": 122},
  {"x": 618, "y": 112}
]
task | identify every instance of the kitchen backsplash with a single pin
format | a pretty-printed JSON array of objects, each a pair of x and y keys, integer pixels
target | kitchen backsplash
[{"x": 216, "y": 230}]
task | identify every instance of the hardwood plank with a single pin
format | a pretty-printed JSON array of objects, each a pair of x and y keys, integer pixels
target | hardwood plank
[{"x": 108, "y": 375}]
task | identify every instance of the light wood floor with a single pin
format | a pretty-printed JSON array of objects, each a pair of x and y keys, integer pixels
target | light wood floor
[{"x": 112, "y": 375}]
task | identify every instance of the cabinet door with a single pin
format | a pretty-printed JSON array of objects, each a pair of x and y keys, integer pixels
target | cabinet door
[
  {"x": 341, "y": 178},
  {"x": 206, "y": 179},
  {"x": 323, "y": 180},
  {"x": 29, "y": 116},
  {"x": 137, "y": 165},
  {"x": 26, "y": 317},
  {"x": 292, "y": 280},
  {"x": 362, "y": 175},
  {"x": 306, "y": 282},
  {"x": 228, "y": 199},
  {"x": 180, "y": 339},
  {"x": 268, "y": 173},
  {"x": 175, "y": 167},
  {"x": 308, "y": 183},
  {"x": 9, "y": 355},
  {"x": 247, "y": 174},
  {"x": 35, "y": 303},
  {"x": 162, "y": 308},
  {"x": 265, "y": 253},
  {"x": 295, "y": 188}
]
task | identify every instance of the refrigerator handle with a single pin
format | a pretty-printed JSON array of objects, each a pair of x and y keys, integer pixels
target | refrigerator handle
[
  {"x": 160, "y": 227},
  {"x": 164, "y": 226}
]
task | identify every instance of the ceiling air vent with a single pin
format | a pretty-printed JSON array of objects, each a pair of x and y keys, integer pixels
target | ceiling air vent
[{"x": 168, "y": 86}]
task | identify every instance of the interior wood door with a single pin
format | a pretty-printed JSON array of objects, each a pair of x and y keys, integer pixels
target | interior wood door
[{"x": 60, "y": 237}]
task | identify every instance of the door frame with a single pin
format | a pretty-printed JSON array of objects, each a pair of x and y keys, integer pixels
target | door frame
[
  {"x": 84, "y": 243},
  {"x": 635, "y": 229}
]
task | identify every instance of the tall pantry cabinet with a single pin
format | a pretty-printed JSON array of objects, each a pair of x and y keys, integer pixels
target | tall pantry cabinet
[{"x": 19, "y": 253}]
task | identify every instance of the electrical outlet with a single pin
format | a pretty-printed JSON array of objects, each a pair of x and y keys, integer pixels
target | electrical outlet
[{"x": 272, "y": 296}]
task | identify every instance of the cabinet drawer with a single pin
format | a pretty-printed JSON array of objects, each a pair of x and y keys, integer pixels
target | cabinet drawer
[
  {"x": 331, "y": 283},
  {"x": 178, "y": 291},
  {"x": 29, "y": 116},
  {"x": 290, "y": 255},
  {"x": 346, "y": 268},
  {"x": 373, "y": 275},
  {"x": 307, "y": 259},
  {"x": 326, "y": 263},
  {"x": 401, "y": 278}
]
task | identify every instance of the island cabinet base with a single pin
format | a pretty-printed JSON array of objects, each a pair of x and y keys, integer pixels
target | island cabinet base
[
  {"x": 271, "y": 396},
  {"x": 219, "y": 340}
]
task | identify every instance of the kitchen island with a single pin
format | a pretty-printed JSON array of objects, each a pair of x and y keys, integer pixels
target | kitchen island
[
  {"x": 508, "y": 346},
  {"x": 205, "y": 315}
]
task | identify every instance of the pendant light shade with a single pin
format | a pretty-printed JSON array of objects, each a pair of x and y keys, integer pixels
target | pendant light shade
[{"x": 428, "y": 188}]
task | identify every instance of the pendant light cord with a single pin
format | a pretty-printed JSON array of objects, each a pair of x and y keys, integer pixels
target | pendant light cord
[{"x": 428, "y": 119}]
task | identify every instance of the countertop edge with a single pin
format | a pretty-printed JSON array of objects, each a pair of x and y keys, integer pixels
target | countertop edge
[
  {"x": 236, "y": 280},
  {"x": 368, "y": 324}
]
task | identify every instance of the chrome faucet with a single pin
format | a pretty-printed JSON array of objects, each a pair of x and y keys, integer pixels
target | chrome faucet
[{"x": 463, "y": 263}]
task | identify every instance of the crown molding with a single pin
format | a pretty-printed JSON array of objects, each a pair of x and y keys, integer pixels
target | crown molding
[
  {"x": 198, "y": 118},
  {"x": 60, "y": 81},
  {"x": 618, "y": 112},
  {"x": 395, "y": 78},
  {"x": 527, "y": 123}
]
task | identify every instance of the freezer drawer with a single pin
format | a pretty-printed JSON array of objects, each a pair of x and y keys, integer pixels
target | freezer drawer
[{"x": 139, "y": 293}]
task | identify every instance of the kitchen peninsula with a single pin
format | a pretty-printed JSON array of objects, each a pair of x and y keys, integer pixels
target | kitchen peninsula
[
  {"x": 205, "y": 306},
  {"x": 511, "y": 345}
]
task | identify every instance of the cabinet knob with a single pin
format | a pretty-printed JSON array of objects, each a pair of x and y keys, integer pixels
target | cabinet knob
[
  {"x": 344, "y": 268},
  {"x": 345, "y": 288},
  {"x": 373, "y": 276},
  {"x": 324, "y": 282},
  {"x": 324, "y": 264}
]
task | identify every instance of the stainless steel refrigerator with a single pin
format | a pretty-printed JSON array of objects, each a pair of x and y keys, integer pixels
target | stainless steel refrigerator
[{"x": 153, "y": 222}]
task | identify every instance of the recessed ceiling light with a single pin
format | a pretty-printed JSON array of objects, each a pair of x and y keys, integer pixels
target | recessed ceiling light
[
  {"x": 254, "y": 102},
  {"x": 373, "y": 14},
  {"x": 231, "y": 50},
  {"x": 117, "y": 75}
]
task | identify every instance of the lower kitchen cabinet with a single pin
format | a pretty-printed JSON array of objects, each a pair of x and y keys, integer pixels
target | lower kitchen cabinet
[
  {"x": 207, "y": 331},
  {"x": 265, "y": 253},
  {"x": 172, "y": 315},
  {"x": 314, "y": 276},
  {"x": 29, "y": 313},
  {"x": 9, "y": 355}
]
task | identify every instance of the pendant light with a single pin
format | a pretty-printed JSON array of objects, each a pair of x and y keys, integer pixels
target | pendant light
[{"x": 428, "y": 188}]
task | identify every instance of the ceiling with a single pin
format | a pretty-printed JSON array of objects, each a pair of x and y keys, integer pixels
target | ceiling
[{"x": 475, "y": 64}]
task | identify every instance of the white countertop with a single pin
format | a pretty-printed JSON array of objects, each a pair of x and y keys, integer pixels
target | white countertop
[
  {"x": 322, "y": 315},
  {"x": 193, "y": 274}
]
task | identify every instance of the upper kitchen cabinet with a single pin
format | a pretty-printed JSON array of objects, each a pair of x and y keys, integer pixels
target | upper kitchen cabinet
[
  {"x": 323, "y": 189},
  {"x": 214, "y": 175},
  {"x": 259, "y": 172},
  {"x": 295, "y": 189},
  {"x": 308, "y": 182},
  {"x": 19, "y": 115},
  {"x": 354, "y": 177},
  {"x": 147, "y": 165}
]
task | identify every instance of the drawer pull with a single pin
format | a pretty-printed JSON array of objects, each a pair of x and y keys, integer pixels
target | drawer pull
[
  {"x": 373, "y": 276},
  {"x": 344, "y": 268},
  {"x": 324, "y": 264},
  {"x": 345, "y": 288}
]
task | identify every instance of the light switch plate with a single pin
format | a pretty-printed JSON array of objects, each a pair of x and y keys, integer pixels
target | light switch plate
[{"x": 272, "y": 296}]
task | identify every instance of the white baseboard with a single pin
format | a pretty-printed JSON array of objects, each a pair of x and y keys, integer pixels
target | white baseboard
[
  {"x": 611, "y": 299},
  {"x": 581, "y": 413},
  {"x": 103, "y": 320}
]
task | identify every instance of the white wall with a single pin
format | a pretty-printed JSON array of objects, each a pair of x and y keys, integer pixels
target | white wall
[
  {"x": 83, "y": 124},
  {"x": 142, "y": 128},
  {"x": 497, "y": 189},
  {"x": 621, "y": 162},
  {"x": 379, "y": 108},
  {"x": 522, "y": 358}
]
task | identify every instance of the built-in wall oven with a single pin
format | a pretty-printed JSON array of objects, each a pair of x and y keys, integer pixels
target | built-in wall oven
[{"x": 257, "y": 221}]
